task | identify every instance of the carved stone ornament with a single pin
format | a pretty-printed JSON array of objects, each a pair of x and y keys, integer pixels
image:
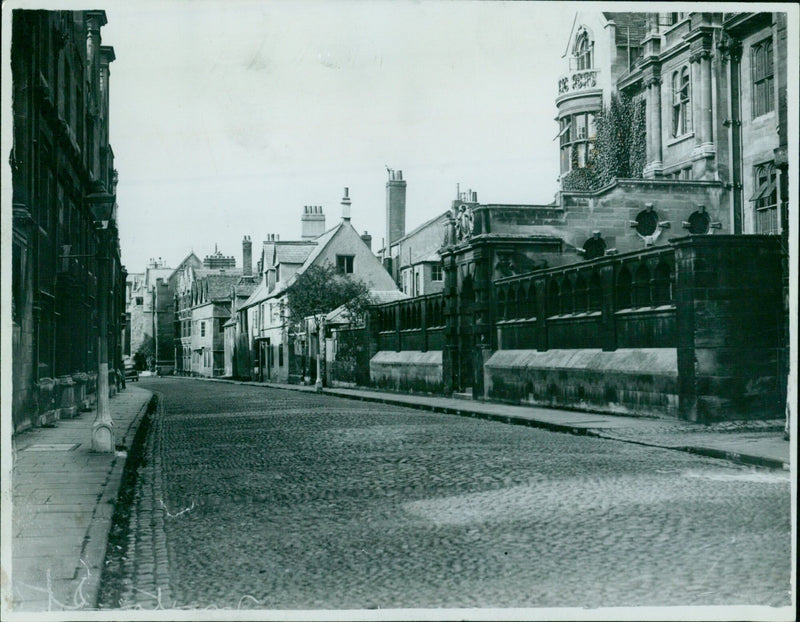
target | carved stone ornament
[{"x": 464, "y": 222}]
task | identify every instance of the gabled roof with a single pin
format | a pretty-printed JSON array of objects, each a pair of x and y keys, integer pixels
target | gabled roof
[
  {"x": 432, "y": 257},
  {"x": 246, "y": 285},
  {"x": 322, "y": 242},
  {"x": 424, "y": 225},
  {"x": 259, "y": 293},
  {"x": 315, "y": 248}
]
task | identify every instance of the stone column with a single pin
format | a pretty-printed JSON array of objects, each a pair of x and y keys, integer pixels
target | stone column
[
  {"x": 94, "y": 21},
  {"x": 655, "y": 163},
  {"x": 706, "y": 114},
  {"x": 704, "y": 151},
  {"x": 695, "y": 88},
  {"x": 450, "y": 352}
]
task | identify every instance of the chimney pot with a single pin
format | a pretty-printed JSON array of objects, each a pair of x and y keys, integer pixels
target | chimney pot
[{"x": 367, "y": 238}]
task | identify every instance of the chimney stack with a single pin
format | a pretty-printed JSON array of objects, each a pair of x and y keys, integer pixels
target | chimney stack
[
  {"x": 312, "y": 223},
  {"x": 395, "y": 208},
  {"x": 346, "y": 205},
  {"x": 247, "y": 256},
  {"x": 367, "y": 240}
]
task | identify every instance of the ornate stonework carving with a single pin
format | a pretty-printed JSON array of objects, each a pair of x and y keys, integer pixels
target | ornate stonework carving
[
  {"x": 698, "y": 55},
  {"x": 465, "y": 222}
]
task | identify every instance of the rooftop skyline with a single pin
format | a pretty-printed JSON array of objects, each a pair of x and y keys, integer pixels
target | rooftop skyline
[{"x": 227, "y": 120}]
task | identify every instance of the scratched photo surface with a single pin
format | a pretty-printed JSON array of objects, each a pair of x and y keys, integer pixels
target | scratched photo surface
[{"x": 398, "y": 310}]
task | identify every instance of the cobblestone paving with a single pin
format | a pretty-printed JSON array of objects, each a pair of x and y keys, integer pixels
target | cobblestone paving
[{"x": 262, "y": 498}]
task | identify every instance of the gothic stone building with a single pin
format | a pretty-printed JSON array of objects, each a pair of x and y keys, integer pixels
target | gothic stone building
[
  {"x": 67, "y": 279},
  {"x": 661, "y": 294}
]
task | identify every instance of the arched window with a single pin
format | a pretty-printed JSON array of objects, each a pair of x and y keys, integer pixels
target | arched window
[
  {"x": 623, "y": 289},
  {"x": 762, "y": 72},
  {"x": 567, "y": 297},
  {"x": 595, "y": 293},
  {"x": 552, "y": 298},
  {"x": 581, "y": 294},
  {"x": 584, "y": 49},
  {"x": 513, "y": 304},
  {"x": 662, "y": 285},
  {"x": 765, "y": 199},
  {"x": 681, "y": 108},
  {"x": 531, "y": 301},
  {"x": 641, "y": 289}
]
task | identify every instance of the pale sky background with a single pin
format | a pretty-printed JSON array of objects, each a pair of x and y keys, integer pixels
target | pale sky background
[{"x": 228, "y": 117}]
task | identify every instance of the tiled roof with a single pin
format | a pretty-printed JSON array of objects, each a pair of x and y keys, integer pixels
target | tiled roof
[
  {"x": 219, "y": 285},
  {"x": 381, "y": 296},
  {"x": 314, "y": 247},
  {"x": 340, "y": 315},
  {"x": 259, "y": 293},
  {"x": 293, "y": 252},
  {"x": 246, "y": 285},
  {"x": 637, "y": 22},
  {"x": 424, "y": 225}
]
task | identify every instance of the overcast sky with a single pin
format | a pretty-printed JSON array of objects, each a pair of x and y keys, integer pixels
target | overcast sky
[{"x": 228, "y": 117}]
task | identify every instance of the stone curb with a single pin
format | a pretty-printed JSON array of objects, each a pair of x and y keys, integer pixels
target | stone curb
[
  {"x": 709, "y": 452},
  {"x": 95, "y": 542}
]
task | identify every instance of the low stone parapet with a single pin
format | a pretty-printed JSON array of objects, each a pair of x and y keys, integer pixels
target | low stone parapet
[
  {"x": 409, "y": 370},
  {"x": 641, "y": 381}
]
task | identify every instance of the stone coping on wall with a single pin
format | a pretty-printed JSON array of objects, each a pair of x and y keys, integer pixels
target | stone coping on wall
[
  {"x": 656, "y": 361},
  {"x": 407, "y": 357}
]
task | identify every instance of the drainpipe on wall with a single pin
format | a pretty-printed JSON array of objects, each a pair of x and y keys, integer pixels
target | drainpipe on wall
[{"x": 736, "y": 139}]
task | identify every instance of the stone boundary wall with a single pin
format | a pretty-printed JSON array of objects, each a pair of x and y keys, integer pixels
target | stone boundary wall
[
  {"x": 407, "y": 371},
  {"x": 642, "y": 381}
]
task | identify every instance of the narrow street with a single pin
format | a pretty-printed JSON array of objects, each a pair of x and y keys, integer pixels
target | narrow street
[{"x": 264, "y": 498}]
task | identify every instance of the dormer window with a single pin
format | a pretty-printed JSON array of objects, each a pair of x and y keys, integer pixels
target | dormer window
[{"x": 584, "y": 50}]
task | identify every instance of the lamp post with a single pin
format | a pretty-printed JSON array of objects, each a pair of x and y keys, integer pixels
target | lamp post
[
  {"x": 102, "y": 206},
  {"x": 321, "y": 353}
]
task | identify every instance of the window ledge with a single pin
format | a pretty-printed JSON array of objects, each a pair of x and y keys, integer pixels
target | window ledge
[{"x": 679, "y": 139}]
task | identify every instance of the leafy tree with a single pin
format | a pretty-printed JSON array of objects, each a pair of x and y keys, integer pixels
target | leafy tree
[{"x": 321, "y": 289}]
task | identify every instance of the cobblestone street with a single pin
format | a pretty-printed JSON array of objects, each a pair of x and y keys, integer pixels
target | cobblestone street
[{"x": 263, "y": 498}]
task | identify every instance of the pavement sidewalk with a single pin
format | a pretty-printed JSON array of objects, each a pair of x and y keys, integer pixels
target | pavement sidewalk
[
  {"x": 757, "y": 443},
  {"x": 64, "y": 497}
]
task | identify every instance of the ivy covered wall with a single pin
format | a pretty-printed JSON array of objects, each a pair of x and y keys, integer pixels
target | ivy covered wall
[{"x": 620, "y": 149}]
